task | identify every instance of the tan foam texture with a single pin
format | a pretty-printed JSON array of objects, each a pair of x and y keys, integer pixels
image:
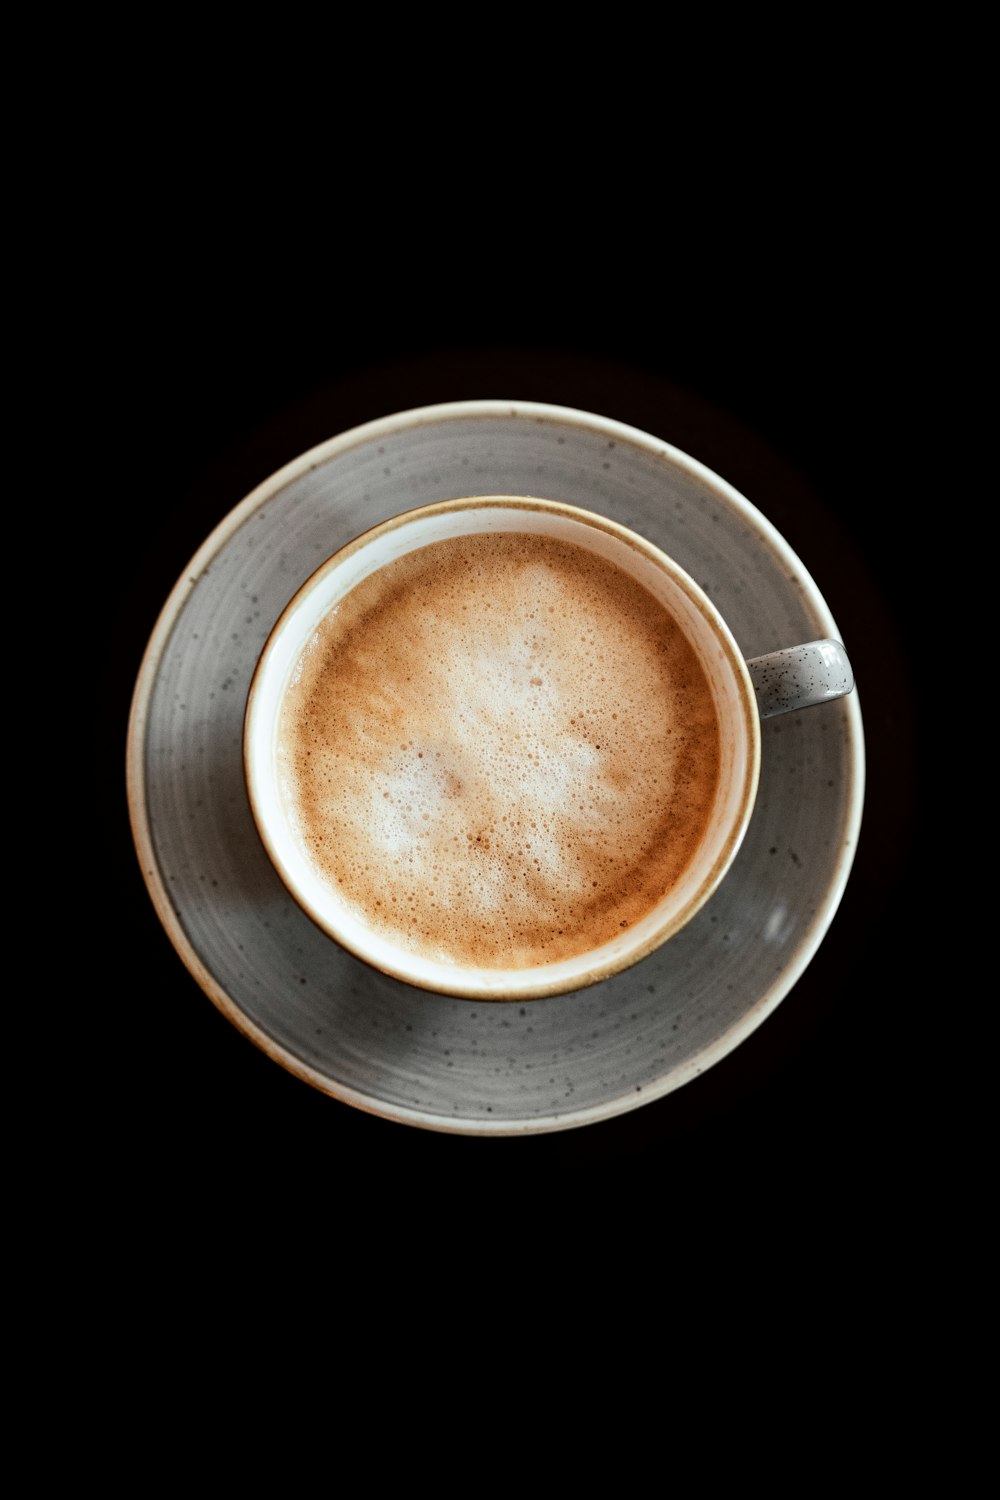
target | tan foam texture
[{"x": 500, "y": 749}]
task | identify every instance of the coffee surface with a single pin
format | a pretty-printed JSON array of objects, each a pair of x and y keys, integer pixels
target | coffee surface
[{"x": 500, "y": 749}]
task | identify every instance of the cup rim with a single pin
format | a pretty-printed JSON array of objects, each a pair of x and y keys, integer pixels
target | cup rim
[{"x": 510, "y": 985}]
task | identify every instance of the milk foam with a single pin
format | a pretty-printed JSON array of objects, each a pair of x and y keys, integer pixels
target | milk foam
[{"x": 500, "y": 749}]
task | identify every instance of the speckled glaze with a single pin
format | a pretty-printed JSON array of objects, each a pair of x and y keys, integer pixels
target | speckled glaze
[
  {"x": 800, "y": 677},
  {"x": 412, "y": 1055}
]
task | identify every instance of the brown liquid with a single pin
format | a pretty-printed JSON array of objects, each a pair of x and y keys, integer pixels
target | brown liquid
[{"x": 501, "y": 750}]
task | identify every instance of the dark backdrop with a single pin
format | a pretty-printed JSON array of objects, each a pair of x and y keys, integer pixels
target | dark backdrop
[{"x": 774, "y": 348}]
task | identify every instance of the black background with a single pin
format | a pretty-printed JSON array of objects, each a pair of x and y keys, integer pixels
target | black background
[{"x": 761, "y": 327}]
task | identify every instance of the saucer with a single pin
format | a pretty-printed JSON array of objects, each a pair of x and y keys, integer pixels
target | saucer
[{"x": 432, "y": 1060}]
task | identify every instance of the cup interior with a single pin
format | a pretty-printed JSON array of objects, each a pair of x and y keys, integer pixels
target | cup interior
[{"x": 718, "y": 654}]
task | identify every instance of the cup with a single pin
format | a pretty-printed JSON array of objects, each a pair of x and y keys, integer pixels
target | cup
[{"x": 462, "y": 710}]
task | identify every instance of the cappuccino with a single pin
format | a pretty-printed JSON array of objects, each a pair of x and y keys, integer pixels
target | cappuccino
[{"x": 500, "y": 750}]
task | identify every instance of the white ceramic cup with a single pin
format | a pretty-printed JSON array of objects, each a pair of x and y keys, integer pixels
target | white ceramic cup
[{"x": 743, "y": 693}]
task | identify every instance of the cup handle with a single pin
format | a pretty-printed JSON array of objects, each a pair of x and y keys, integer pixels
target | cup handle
[{"x": 800, "y": 677}]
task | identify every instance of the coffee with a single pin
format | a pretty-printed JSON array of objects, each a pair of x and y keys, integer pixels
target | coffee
[{"x": 500, "y": 749}]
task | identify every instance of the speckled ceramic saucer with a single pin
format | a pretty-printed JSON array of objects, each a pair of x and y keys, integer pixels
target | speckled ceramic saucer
[{"x": 427, "y": 1059}]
